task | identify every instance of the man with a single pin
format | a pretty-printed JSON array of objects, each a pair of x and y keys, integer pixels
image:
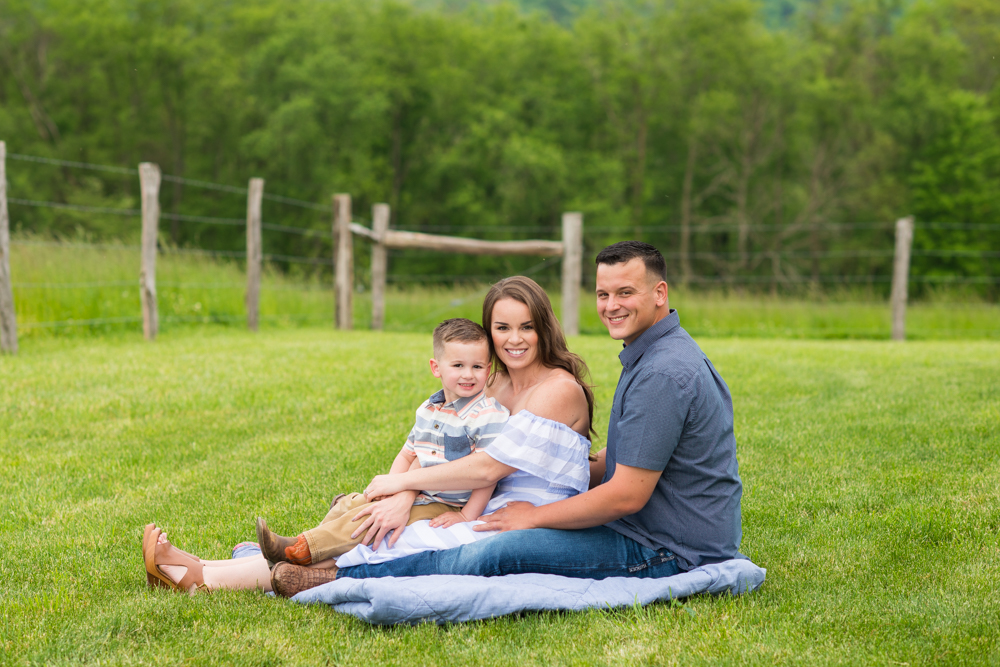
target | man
[{"x": 669, "y": 493}]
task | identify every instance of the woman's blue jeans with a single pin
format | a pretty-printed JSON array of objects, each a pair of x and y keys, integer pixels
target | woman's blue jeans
[{"x": 591, "y": 553}]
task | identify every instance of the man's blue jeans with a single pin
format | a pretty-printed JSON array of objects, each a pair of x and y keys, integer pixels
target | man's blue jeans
[{"x": 591, "y": 553}]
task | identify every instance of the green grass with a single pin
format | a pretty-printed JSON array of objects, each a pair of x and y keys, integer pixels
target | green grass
[
  {"x": 194, "y": 290},
  {"x": 872, "y": 497}
]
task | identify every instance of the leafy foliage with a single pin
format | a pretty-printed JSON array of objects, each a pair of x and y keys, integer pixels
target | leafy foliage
[{"x": 728, "y": 133}]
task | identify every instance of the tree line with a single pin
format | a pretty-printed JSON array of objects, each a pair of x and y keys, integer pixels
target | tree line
[{"x": 746, "y": 152}]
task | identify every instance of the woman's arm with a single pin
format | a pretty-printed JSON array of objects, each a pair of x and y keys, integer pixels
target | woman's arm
[
  {"x": 391, "y": 513},
  {"x": 469, "y": 472}
]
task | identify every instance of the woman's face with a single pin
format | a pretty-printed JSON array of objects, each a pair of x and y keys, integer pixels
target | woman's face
[{"x": 514, "y": 337}]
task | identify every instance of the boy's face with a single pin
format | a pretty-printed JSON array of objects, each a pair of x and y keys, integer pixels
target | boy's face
[{"x": 463, "y": 369}]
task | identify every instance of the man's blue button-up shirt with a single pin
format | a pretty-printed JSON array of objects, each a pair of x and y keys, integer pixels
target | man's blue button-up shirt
[{"x": 673, "y": 412}]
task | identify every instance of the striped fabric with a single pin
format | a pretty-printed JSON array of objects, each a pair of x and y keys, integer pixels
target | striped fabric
[
  {"x": 444, "y": 432},
  {"x": 551, "y": 462}
]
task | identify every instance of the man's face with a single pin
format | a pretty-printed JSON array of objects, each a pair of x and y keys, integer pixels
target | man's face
[{"x": 629, "y": 300}]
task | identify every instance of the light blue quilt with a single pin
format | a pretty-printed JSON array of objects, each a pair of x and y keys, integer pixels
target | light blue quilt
[{"x": 451, "y": 599}]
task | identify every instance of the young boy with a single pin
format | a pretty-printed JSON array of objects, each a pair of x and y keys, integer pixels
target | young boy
[{"x": 452, "y": 423}]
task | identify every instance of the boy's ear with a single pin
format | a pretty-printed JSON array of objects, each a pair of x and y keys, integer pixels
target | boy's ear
[{"x": 435, "y": 371}]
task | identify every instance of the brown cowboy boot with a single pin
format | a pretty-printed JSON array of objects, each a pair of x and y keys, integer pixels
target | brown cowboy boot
[
  {"x": 288, "y": 580},
  {"x": 272, "y": 545}
]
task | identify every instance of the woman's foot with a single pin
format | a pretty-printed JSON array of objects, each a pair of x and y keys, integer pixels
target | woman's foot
[
  {"x": 288, "y": 580},
  {"x": 170, "y": 566}
]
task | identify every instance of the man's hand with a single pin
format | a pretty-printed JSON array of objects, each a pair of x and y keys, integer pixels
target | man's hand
[
  {"x": 383, "y": 485},
  {"x": 512, "y": 516},
  {"x": 390, "y": 514},
  {"x": 448, "y": 519}
]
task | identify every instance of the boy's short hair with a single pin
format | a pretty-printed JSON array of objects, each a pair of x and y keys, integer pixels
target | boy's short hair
[
  {"x": 624, "y": 251},
  {"x": 457, "y": 329}
]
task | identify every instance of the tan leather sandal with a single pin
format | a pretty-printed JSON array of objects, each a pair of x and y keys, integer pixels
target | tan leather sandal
[
  {"x": 156, "y": 554},
  {"x": 151, "y": 580}
]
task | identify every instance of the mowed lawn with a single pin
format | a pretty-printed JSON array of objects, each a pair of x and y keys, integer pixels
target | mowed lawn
[{"x": 871, "y": 478}]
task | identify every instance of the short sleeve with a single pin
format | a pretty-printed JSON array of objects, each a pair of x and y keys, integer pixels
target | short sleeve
[
  {"x": 654, "y": 409},
  {"x": 487, "y": 424},
  {"x": 410, "y": 439},
  {"x": 546, "y": 449}
]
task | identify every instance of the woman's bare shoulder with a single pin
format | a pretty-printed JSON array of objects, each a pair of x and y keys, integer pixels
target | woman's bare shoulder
[{"x": 561, "y": 398}]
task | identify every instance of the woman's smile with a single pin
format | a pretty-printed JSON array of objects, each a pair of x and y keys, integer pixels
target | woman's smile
[{"x": 514, "y": 335}]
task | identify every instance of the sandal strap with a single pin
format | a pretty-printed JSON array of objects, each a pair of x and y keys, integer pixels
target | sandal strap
[{"x": 167, "y": 554}]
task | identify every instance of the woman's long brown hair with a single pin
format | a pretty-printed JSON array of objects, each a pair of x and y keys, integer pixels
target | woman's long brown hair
[{"x": 552, "y": 349}]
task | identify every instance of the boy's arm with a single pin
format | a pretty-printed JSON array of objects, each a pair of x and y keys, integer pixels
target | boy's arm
[
  {"x": 404, "y": 460},
  {"x": 478, "y": 500}
]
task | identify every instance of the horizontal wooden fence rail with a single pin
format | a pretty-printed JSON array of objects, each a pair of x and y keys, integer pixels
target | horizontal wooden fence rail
[
  {"x": 570, "y": 249},
  {"x": 392, "y": 238}
]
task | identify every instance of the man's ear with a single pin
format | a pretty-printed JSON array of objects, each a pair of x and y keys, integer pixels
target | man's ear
[
  {"x": 661, "y": 293},
  {"x": 435, "y": 371}
]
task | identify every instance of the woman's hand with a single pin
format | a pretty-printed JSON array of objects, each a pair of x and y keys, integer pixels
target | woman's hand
[
  {"x": 383, "y": 485},
  {"x": 388, "y": 514}
]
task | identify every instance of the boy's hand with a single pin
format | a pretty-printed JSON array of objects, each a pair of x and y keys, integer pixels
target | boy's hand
[
  {"x": 448, "y": 519},
  {"x": 381, "y": 486}
]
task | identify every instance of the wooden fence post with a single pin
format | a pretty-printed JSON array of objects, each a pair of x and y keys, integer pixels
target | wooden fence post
[
  {"x": 572, "y": 271},
  {"x": 344, "y": 266},
  {"x": 8, "y": 317},
  {"x": 255, "y": 194},
  {"x": 149, "y": 179},
  {"x": 901, "y": 276},
  {"x": 380, "y": 223}
]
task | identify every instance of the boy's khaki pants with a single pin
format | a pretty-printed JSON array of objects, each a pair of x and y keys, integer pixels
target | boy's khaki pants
[{"x": 333, "y": 536}]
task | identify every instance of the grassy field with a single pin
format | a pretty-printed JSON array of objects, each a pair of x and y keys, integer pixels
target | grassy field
[
  {"x": 872, "y": 497},
  {"x": 72, "y": 290}
]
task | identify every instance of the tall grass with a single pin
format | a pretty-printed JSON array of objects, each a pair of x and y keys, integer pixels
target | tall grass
[{"x": 78, "y": 288}]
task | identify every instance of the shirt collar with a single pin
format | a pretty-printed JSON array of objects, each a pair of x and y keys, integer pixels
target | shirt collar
[
  {"x": 458, "y": 404},
  {"x": 633, "y": 352}
]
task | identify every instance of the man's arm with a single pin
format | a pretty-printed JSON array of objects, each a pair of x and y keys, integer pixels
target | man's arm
[
  {"x": 625, "y": 493},
  {"x": 598, "y": 467}
]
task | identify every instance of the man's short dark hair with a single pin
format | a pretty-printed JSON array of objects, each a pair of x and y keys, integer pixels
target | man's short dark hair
[
  {"x": 457, "y": 329},
  {"x": 623, "y": 251}
]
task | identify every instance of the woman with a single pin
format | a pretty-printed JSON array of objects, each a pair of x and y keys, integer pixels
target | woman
[{"x": 533, "y": 371}]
